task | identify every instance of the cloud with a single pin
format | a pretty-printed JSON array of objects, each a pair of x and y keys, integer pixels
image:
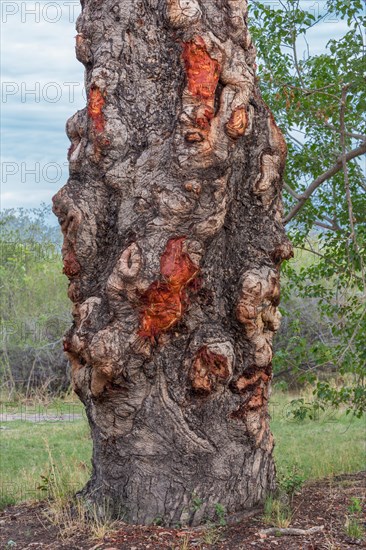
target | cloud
[
  {"x": 42, "y": 85},
  {"x": 39, "y": 65}
]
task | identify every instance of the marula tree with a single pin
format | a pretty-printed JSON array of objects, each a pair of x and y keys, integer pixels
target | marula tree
[{"x": 173, "y": 240}]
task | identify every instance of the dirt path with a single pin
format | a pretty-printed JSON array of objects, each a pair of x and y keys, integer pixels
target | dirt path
[
  {"x": 39, "y": 417},
  {"x": 322, "y": 503}
]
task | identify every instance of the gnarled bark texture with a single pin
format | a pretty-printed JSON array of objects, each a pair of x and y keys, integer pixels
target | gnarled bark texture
[{"x": 173, "y": 239}]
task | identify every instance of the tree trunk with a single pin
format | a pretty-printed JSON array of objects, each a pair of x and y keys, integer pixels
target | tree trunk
[{"x": 173, "y": 238}]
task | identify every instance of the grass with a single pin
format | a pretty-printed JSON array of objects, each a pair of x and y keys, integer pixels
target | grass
[
  {"x": 276, "y": 512},
  {"x": 354, "y": 528},
  {"x": 25, "y": 457},
  {"x": 332, "y": 444},
  {"x": 68, "y": 512}
]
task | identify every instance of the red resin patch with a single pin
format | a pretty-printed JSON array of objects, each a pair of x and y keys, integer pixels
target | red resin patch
[
  {"x": 202, "y": 71},
  {"x": 163, "y": 309},
  {"x": 95, "y": 106},
  {"x": 164, "y": 302},
  {"x": 175, "y": 265}
]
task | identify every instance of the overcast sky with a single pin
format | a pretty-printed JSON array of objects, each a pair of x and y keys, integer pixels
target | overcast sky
[{"x": 42, "y": 87}]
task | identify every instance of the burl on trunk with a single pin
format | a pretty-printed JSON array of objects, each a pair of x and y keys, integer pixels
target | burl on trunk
[{"x": 173, "y": 240}]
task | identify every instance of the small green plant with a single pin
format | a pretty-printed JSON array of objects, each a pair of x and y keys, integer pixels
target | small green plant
[
  {"x": 292, "y": 481},
  {"x": 354, "y": 528},
  {"x": 158, "y": 521},
  {"x": 220, "y": 514},
  {"x": 46, "y": 481},
  {"x": 196, "y": 502},
  {"x": 213, "y": 531},
  {"x": 355, "y": 506}
]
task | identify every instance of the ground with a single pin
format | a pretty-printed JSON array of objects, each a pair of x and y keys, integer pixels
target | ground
[{"x": 322, "y": 503}]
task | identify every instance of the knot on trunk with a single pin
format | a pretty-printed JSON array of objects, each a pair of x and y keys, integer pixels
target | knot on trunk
[
  {"x": 126, "y": 269},
  {"x": 83, "y": 50},
  {"x": 237, "y": 124},
  {"x": 257, "y": 311},
  {"x": 253, "y": 385},
  {"x": 212, "y": 367},
  {"x": 183, "y": 13},
  {"x": 283, "y": 251},
  {"x": 269, "y": 175}
]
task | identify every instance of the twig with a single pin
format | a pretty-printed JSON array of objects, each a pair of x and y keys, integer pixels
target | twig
[
  {"x": 326, "y": 226},
  {"x": 291, "y": 191},
  {"x": 362, "y": 137},
  {"x": 291, "y": 531},
  {"x": 296, "y": 62},
  {"x": 344, "y": 162}
]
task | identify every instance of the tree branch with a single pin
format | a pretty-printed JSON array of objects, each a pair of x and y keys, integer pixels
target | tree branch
[
  {"x": 322, "y": 178},
  {"x": 333, "y": 222},
  {"x": 291, "y": 531},
  {"x": 325, "y": 226},
  {"x": 291, "y": 191}
]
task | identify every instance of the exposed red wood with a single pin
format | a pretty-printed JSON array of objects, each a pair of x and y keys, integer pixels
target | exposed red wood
[
  {"x": 202, "y": 71},
  {"x": 164, "y": 302},
  {"x": 95, "y": 109}
]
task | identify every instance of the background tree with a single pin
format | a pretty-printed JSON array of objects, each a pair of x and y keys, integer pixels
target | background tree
[
  {"x": 173, "y": 238},
  {"x": 319, "y": 100},
  {"x": 34, "y": 313}
]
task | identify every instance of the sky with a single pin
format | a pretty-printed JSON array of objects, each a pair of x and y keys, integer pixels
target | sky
[{"x": 42, "y": 86}]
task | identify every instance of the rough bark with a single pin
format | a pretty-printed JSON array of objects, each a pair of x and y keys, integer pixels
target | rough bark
[{"x": 173, "y": 239}]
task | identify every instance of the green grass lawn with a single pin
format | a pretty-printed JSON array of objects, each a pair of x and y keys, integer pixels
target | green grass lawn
[
  {"x": 330, "y": 444},
  {"x": 32, "y": 454},
  {"x": 29, "y": 451}
]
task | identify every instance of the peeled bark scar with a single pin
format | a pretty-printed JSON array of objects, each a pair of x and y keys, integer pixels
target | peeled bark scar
[
  {"x": 164, "y": 302},
  {"x": 194, "y": 137},
  {"x": 82, "y": 48},
  {"x": 95, "y": 106},
  {"x": 71, "y": 265},
  {"x": 208, "y": 369},
  {"x": 257, "y": 388},
  {"x": 243, "y": 382},
  {"x": 202, "y": 71},
  {"x": 204, "y": 115}
]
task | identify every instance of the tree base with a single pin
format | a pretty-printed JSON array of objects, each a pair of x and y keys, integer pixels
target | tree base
[{"x": 173, "y": 473}]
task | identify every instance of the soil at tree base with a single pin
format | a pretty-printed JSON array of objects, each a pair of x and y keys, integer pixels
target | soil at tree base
[{"x": 324, "y": 502}]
